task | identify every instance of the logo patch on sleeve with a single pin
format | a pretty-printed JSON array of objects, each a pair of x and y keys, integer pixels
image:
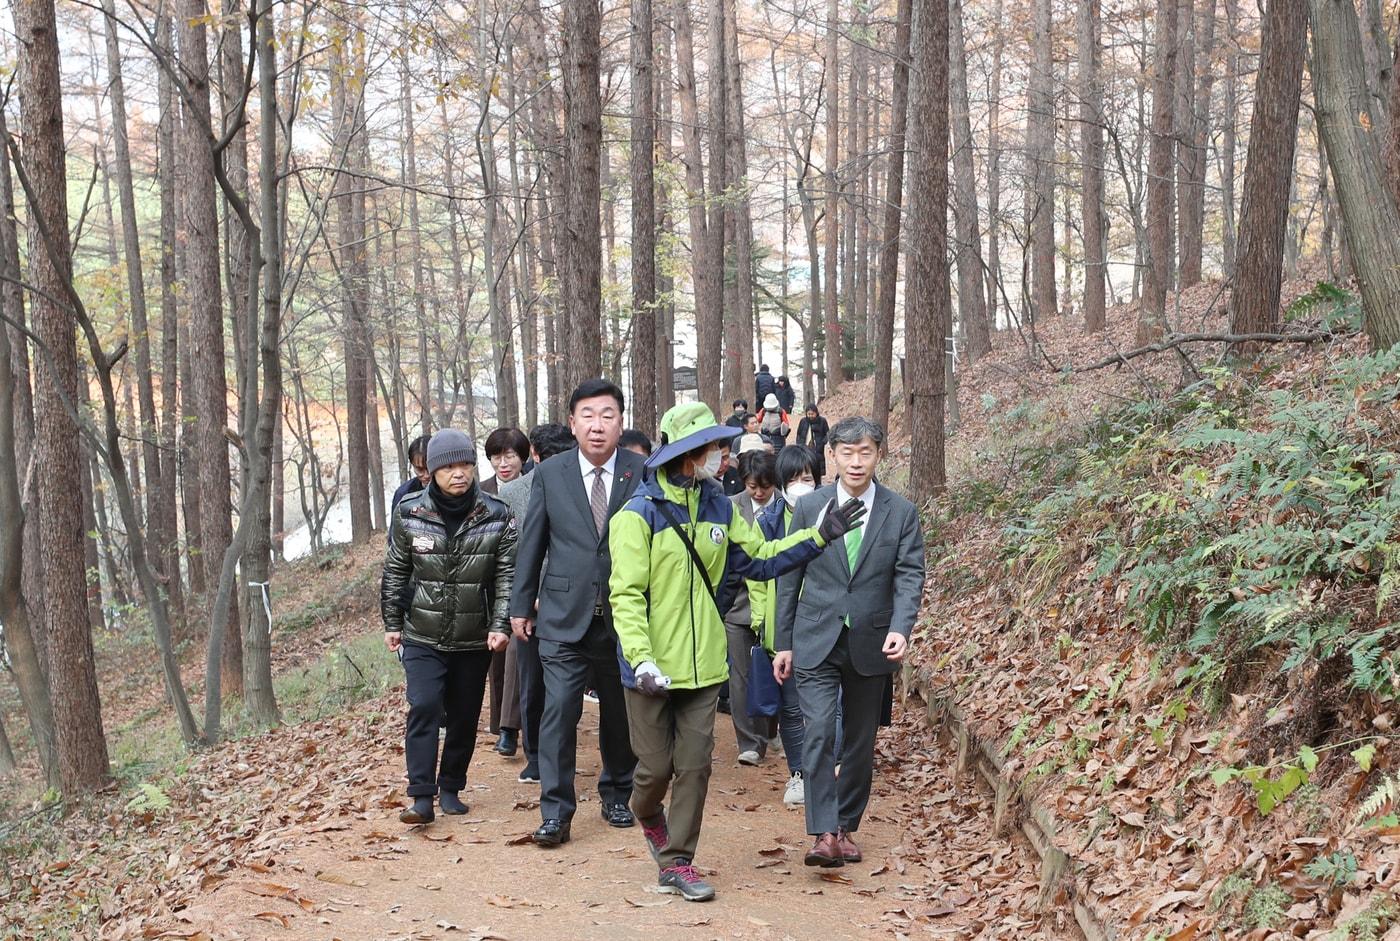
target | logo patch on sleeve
[{"x": 717, "y": 535}]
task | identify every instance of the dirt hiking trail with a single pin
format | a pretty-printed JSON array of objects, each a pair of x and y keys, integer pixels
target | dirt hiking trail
[{"x": 933, "y": 867}]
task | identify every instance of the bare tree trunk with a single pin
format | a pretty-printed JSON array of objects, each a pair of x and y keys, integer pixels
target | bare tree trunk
[
  {"x": 1160, "y": 261},
  {"x": 583, "y": 142},
  {"x": 1378, "y": 62},
  {"x": 1192, "y": 138},
  {"x": 347, "y": 119},
  {"x": 643, "y": 221},
  {"x": 168, "y": 546},
  {"x": 706, "y": 267},
  {"x": 1040, "y": 134},
  {"x": 926, "y": 310},
  {"x": 1228, "y": 137},
  {"x": 77, "y": 713},
  {"x": 994, "y": 172},
  {"x": 19, "y": 523},
  {"x": 894, "y": 197},
  {"x": 237, "y": 251},
  {"x": 1091, "y": 121},
  {"x": 1391, "y": 152},
  {"x": 665, "y": 226},
  {"x": 741, "y": 313},
  {"x": 831, "y": 180},
  {"x": 496, "y": 262},
  {"x": 415, "y": 240},
  {"x": 206, "y": 322},
  {"x": 1268, "y": 171},
  {"x": 972, "y": 303},
  {"x": 136, "y": 291},
  {"x": 1371, "y": 225},
  {"x": 264, "y": 417}
]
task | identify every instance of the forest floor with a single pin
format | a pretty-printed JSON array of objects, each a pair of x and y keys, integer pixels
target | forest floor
[{"x": 293, "y": 833}]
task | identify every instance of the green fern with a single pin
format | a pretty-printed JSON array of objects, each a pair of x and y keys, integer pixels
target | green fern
[
  {"x": 1384, "y": 797},
  {"x": 151, "y": 799}
]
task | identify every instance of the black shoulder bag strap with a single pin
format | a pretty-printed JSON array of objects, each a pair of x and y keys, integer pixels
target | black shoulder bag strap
[{"x": 668, "y": 511}]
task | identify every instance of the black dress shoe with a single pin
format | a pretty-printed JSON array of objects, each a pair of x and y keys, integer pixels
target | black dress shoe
[
  {"x": 617, "y": 815},
  {"x": 551, "y": 833},
  {"x": 451, "y": 803},
  {"x": 421, "y": 812},
  {"x": 530, "y": 774},
  {"x": 506, "y": 745}
]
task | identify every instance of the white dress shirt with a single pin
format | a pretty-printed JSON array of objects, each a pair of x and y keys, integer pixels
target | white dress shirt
[
  {"x": 586, "y": 468},
  {"x": 842, "y": 496},
  {"x": 868, "y": 498}
]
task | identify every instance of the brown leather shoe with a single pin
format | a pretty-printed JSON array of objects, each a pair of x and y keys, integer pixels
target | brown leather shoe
[
  {"x": 849, "y": 851},
  {"x": 825, "y": 852}
]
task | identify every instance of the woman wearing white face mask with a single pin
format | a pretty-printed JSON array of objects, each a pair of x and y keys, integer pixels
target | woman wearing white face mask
[
  {"x": 797, "y": 476},
  {"x": 671, "y": 545}
]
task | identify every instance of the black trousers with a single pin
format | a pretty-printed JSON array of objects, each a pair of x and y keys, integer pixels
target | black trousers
[
  {"x": 441, "y": 686},
  {"x": 566, "y": 669},
  {"x": 531, "y": 686}
]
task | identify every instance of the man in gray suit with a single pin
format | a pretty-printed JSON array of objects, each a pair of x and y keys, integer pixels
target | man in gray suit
[
  {"x": 561, "y": 596},
  {"x": 844, "y": 621},
  {"x": 546, "y": 441}
]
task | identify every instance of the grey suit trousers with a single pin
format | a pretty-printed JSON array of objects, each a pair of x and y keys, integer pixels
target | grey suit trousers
[{"x": 833, "y": 803}]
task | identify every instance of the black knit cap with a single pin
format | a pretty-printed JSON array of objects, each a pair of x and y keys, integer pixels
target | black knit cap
[{"x": 450, "y": 446}]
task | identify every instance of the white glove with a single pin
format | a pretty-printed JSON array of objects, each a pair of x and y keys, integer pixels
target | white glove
[{"x": 650, "y": 680}]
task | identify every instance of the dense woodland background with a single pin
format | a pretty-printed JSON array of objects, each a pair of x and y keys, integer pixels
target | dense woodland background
[{"x": 247, "y": 253}]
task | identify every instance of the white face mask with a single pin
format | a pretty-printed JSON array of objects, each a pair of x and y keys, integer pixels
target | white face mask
[
  {"x": 797, "y": 490},
  {"x": 711, "y": 468}
]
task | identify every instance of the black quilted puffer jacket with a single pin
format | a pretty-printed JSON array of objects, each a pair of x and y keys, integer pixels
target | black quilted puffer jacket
[{"x": 449, "y": 592}]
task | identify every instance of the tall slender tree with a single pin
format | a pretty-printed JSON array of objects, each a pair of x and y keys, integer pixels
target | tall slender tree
[
  {"x": 583, "y": 146},
  {"x": 927, "y": 309},
  {"x": 1269, "y": 167},
  {"x": 894, "y": 196},
  {"x": 1087, "y": 20},
  {"x": 77, "y": 713},
  {"x": 643, "y": 179},
  {"x": 1159, "y": 274}
]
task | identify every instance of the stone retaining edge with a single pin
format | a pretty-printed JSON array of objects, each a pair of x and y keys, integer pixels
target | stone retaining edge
[{"x": 1038, "y": 823}]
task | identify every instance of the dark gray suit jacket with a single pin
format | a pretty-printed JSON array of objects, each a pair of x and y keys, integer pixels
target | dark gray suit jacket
[
  {"x": 882, "y": 594},
  {"x": 560, "y": 561}
]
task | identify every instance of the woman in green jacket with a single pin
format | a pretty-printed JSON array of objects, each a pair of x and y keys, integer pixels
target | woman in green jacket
[
  {"x": 444, "y": 600},
  {"x": 671, "y": 544}
]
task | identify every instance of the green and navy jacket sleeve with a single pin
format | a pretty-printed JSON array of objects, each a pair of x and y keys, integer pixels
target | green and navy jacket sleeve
[
  {"x": 757, "y": 558},
  {"x": 629, "y": 584}
]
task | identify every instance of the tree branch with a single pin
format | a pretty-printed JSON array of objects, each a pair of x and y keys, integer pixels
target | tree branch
[{"x": 1175, "y": 342}]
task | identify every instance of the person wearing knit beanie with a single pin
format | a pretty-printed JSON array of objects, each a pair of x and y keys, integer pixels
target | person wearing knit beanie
[{"x": 450, "y": 446}]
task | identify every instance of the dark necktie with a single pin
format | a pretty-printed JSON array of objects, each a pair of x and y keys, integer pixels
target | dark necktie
[{"x": 598, "y": 501}]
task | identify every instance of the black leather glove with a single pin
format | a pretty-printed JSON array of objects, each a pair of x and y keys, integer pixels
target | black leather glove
[
  {"x": 650, "y": 681},
  {"x": 841, "y": 520}
]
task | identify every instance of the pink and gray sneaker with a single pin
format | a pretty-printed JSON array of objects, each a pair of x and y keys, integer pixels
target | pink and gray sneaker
[
  {"x": 683, "y": 879},
  {"x": 657, "y": 836}
]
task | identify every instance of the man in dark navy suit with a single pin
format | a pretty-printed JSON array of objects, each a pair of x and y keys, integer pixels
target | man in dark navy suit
[{"x": 561, "y": 596}]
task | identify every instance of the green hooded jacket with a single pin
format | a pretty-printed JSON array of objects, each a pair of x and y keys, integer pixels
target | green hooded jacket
[{"x": 662, "y": 609}]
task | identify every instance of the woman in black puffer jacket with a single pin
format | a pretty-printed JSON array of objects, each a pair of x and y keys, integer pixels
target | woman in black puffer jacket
[{"x": 444, "y": 600}]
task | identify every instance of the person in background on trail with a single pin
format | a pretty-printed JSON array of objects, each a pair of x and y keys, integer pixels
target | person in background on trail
[
  {"x": 811, "y": 432},
  {"x": 773, "y": 422},
  {"x": 763, "y": 384},
  {"x": 418, "y": 460},
  {"x": 561, "y": 593},
  {"x": 787, "y": 398},
  {"x": 508, "y": 450},
  {"x": 843, "y": 625},
  {"x": 753, "y": 442},
  {"x": 635, "y": 441},
  {"x": 673, "y": 542},
  {"x": 728, "y": 475},
  {"x": 545, "y": 442},
  {"x": 452, "y": 554},
  {"x": 796, "y": 472},
  {"x": 736, "y": 417},
  {"x": 751, "y": 733}
]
